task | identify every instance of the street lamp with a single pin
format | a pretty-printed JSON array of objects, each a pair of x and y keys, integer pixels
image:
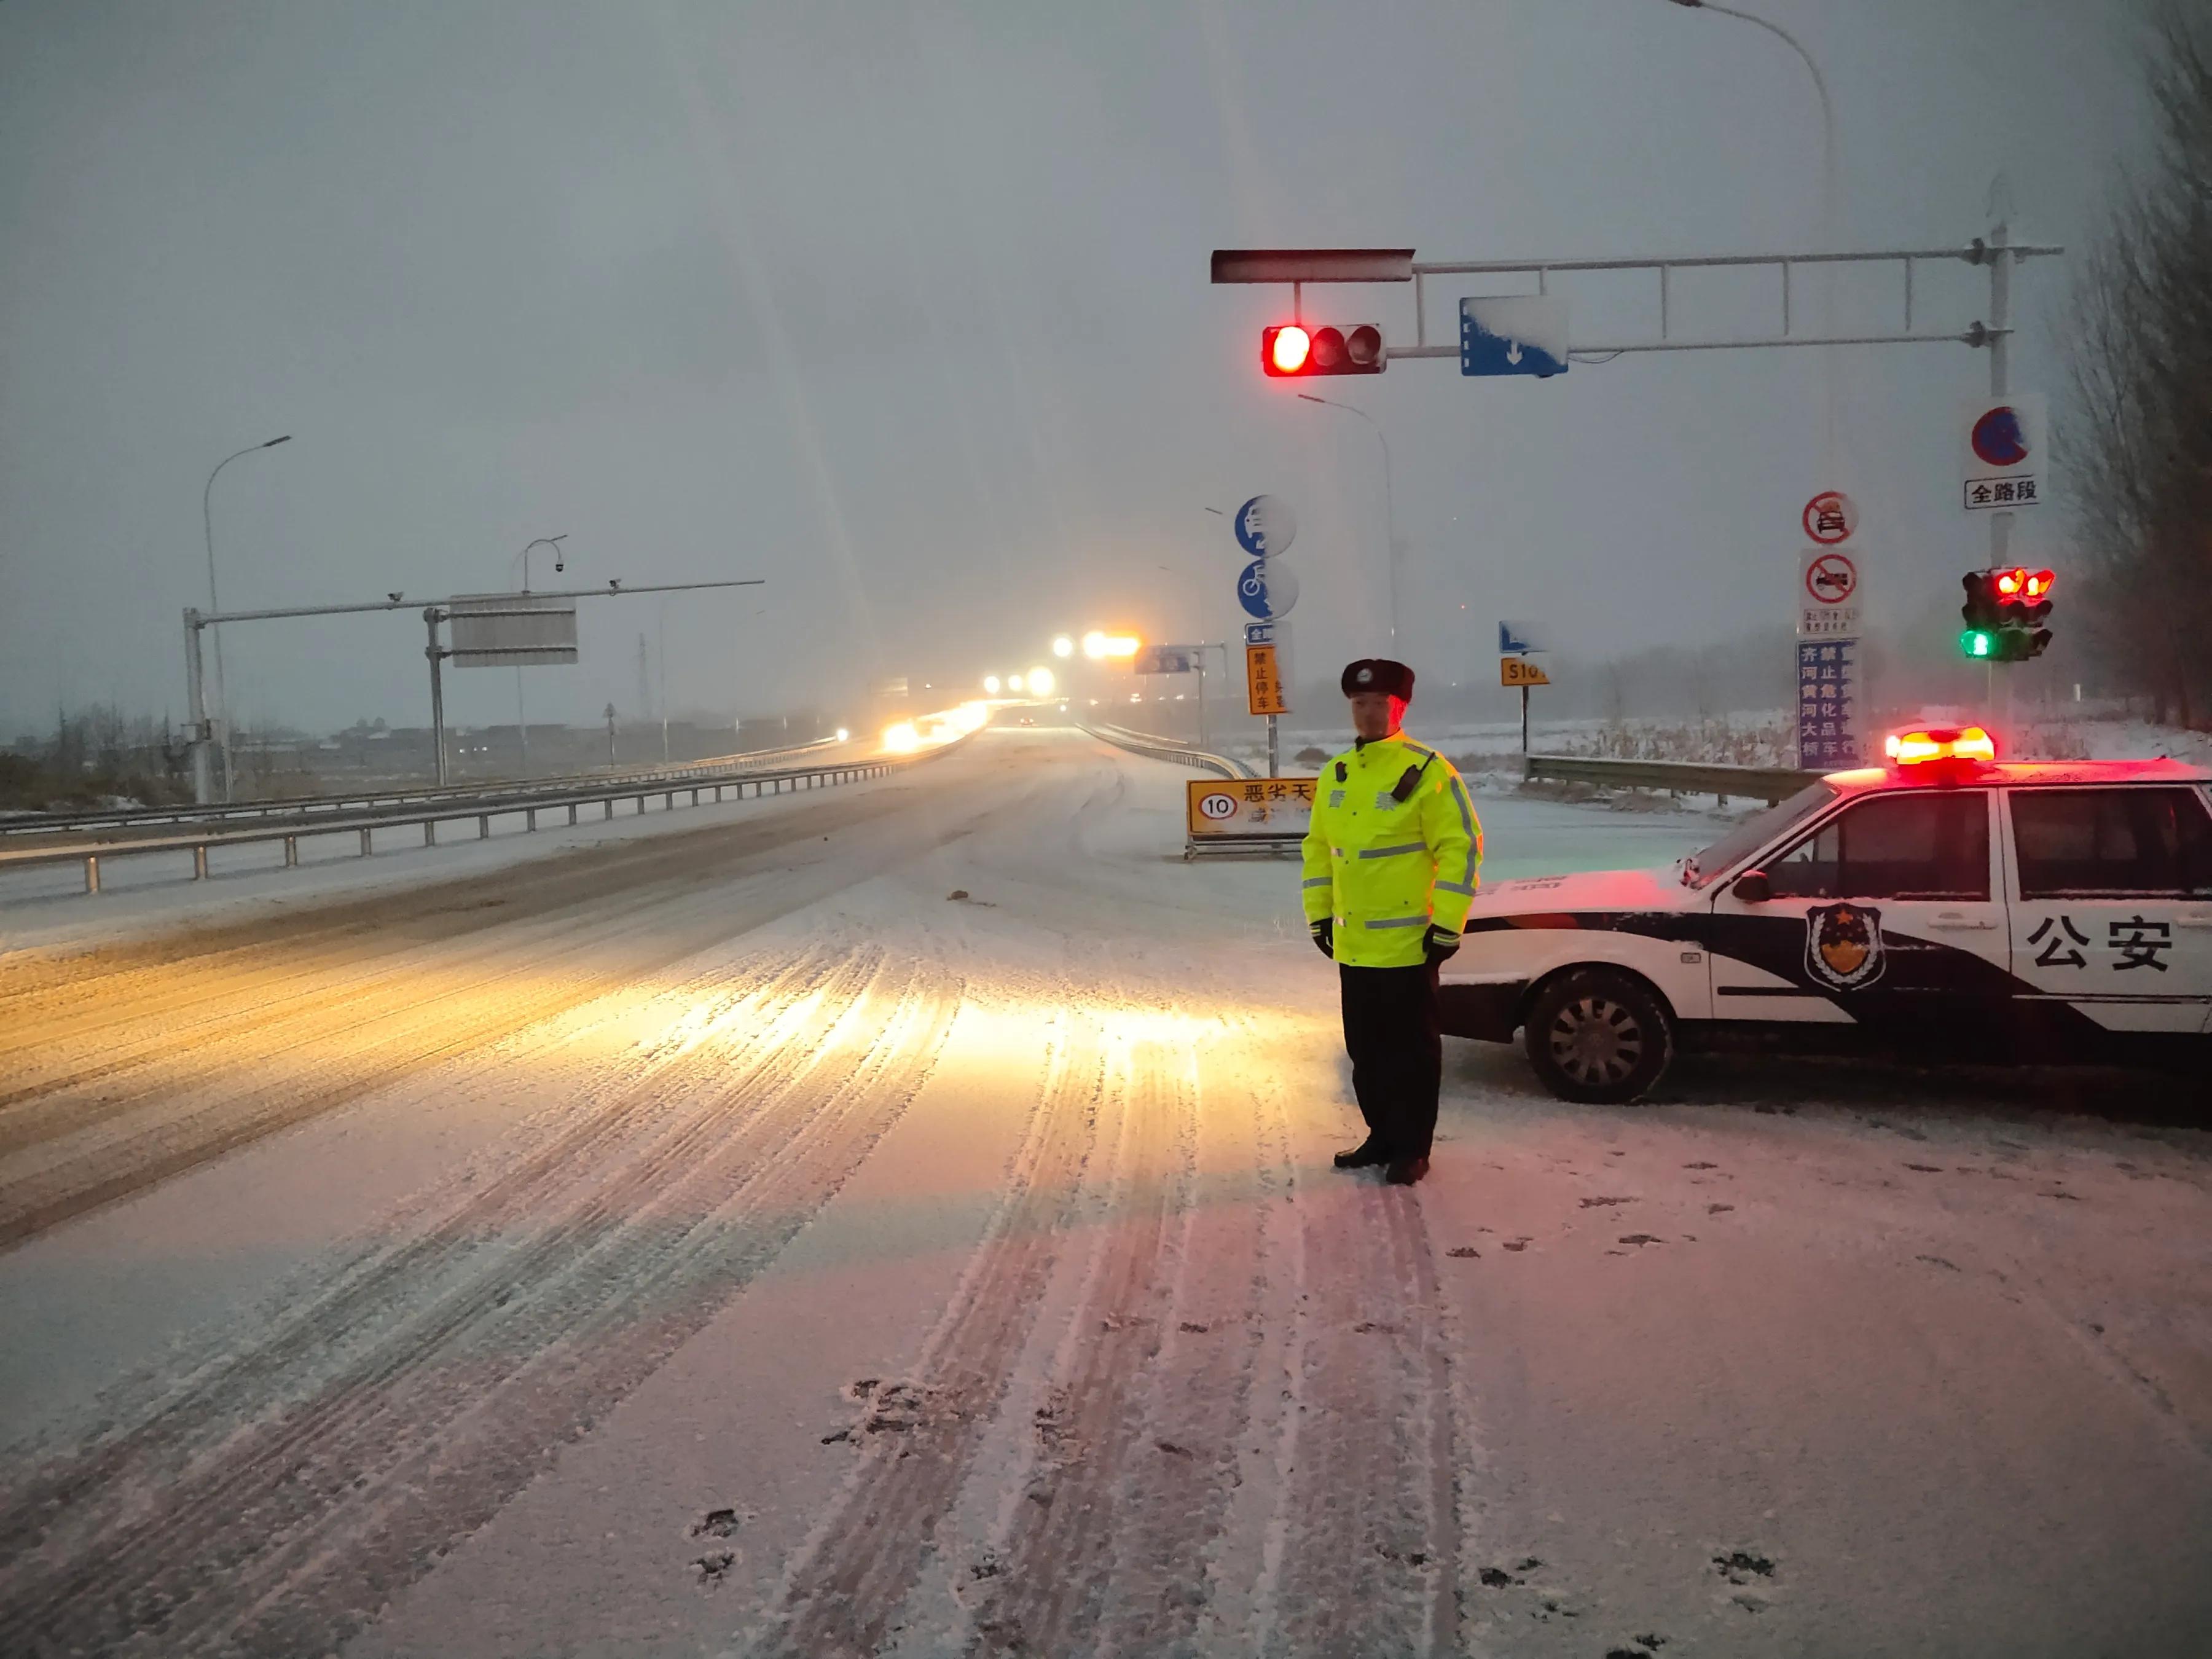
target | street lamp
[
  {"x": 521, "y": 719},
  {"x": 1820, "y": 86},
  {"x": 215, "y": 606},
  {"x": 1389, "y": 507}
]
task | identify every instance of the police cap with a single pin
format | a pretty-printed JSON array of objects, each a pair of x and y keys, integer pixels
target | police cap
[{"x": 1379, "y": 674}]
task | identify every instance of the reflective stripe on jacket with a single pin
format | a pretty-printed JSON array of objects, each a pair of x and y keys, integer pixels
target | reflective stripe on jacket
[{"x": 1383, "y": 868}]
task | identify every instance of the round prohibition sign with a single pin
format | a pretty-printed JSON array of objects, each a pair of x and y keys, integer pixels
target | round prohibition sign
[
  {"x": 1217, "y": 806},
  {"x": 1829, "y": 518},
  {"x": 1832, "y": 578}
]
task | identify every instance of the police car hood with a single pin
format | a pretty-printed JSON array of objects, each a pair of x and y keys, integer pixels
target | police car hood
[{"x": 1585, "y": 889}]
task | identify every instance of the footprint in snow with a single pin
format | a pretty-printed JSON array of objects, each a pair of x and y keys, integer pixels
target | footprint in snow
[
  {"x": 1602, "y": 1203},
  {"x": 1518, "y": 1243},
  {"x": 1733, "y": 1564},
  {"x": 715, "y": 1523},
  {"x": 1463, "y": 1251},
  {"x": 1701, "y": 1166},
  {"x": 712, "y": 1568},
  {"x": 1718, "y": 1209},
  {"x": 1640, "y": 1238},
  {"x": 1926, "y": 1169}
]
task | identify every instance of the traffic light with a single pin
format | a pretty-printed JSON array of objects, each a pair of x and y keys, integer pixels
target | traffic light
[
  {"x": 2004, "y": 613},
  {"x": 1299, "y": 348}
]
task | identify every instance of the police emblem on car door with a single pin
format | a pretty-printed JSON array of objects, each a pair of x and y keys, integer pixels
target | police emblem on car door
[{"x": 1842, "y": 945}]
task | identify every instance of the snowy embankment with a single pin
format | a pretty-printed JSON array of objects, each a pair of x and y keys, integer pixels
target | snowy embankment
[{"x": 727, "y": 1240}]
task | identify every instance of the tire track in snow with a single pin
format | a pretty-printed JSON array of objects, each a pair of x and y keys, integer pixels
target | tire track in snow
[
  {"x": 848, "y": 1581},
  {"x": 278, "y": 1535},
  {"x": 1053, "y": 1564},
  {"x": 1368, "y": 1530},
  {"x": 1170, "y": 1565}
]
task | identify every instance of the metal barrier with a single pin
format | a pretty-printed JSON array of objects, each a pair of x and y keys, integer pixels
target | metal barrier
[
  {"x": 1767, "y": 783},
  {"x": 1141, "y": 743},
  {"x": 717, "y": 767},
  {"x": 604, "y": 796}
]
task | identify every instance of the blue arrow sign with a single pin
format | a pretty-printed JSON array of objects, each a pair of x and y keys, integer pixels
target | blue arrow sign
[
  {"x": 1517, "y": 639},
  {"x": 1520, "y": 334}
]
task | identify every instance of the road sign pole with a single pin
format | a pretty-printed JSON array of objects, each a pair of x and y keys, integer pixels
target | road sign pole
[
  {"x": 2000, "y": 259},
  {"x": 1201, "y": 694},
  {"x": 431, "y": 616},
  {"x": 1524, "y": 720},
  {"x": 196, "y": 711},
  {"x": 1274, "y": 764}
]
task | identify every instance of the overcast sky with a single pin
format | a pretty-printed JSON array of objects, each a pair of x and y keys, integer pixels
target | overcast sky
[{"x": 905, "y": 308}]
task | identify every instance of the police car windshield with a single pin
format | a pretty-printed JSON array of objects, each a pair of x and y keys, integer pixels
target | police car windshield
[{"x": 1753, "y": 833}]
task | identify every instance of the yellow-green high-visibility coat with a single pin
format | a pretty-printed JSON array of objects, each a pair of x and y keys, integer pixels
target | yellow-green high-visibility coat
[{"x": 1384, "y": 869}]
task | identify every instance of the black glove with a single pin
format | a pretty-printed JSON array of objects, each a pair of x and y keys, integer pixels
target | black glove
[
  {"x": 1324, "y": 937},
  {"x": 1437, "y": 944}
]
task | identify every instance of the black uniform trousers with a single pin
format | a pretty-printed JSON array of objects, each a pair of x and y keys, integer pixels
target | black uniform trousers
[{"x": 1393, "y": 1033}]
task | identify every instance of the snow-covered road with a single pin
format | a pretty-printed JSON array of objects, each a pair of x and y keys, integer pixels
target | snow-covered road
[{"x": 713, "y": 1238}]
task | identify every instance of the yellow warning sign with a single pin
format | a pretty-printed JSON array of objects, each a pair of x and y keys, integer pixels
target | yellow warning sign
[
  {"x": 1519, "y": 671},
  {"x": 1237, "y": 808},
  {"x": 1263, "y": 682}
]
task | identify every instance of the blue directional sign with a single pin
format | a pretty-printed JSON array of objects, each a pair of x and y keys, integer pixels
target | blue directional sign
[
  {"x": 1519, "y": 334},
  {"x": 1518, "y": 639}
]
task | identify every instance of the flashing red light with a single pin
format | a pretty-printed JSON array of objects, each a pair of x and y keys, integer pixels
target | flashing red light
[
  {"x": 2038, "y": 584},
  {"x": 1969, "y": 743},
  {"x": 1298, "y": 349}
]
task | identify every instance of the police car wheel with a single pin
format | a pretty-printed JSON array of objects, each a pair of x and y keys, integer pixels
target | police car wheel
[{"x": 1598, "y": 1036}]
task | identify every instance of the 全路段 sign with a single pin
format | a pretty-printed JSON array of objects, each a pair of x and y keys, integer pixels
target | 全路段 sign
[{"x": 2006, "y": 464}]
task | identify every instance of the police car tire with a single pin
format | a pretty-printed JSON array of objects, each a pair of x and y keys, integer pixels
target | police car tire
[{"x": 1598, "y": 1036}]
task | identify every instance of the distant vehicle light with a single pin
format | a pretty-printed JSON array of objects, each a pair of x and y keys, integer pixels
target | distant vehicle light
[
  {"x": 902, "y": 739},
  {"x": 844, "y": 735},
  {"x": 1968, "y": 742},
  {"x": 1062, "y": 645}
]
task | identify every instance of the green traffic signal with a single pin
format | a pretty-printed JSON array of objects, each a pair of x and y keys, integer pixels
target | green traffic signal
[{"x": 1979, "y": 643}]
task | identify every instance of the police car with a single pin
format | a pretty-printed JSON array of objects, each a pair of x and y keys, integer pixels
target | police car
[{"x": 1946, "y": 904}]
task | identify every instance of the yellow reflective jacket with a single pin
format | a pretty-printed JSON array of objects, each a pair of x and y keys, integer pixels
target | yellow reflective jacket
[{"x": 1384, "y": 868}]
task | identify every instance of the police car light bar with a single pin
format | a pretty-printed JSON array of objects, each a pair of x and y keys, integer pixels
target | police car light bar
[{"x": 1967, "y": 742}]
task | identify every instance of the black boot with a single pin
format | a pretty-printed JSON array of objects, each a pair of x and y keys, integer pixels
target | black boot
[
  {"x": 1365, "y": 1156},
  {"x": 1405, "y": 1171}
]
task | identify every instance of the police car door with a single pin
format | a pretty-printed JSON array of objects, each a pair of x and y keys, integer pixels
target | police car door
[
  {"x": 1888, "y": 915},
  {"x": 2112, "y": 905}
]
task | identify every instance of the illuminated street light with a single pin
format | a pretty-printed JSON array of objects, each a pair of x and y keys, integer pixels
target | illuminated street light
[
  {"x": 844, "y": 735},
  {"x": 1041, "y": 682},
  {"x": 991, "y": 683},
  {"x": 1098, "y": 644},
  {"x": 1063, "y": 646}
]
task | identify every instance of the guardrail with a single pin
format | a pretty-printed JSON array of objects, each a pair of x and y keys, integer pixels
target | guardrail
[
  {"x": 1767, "y": 783},
  {"x": 365, "y": 801},
  {"x": 605, "y": 795},
  {"x": 1143, "y": 743}
]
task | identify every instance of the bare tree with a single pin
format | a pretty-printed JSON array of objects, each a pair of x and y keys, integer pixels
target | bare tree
[{"x": 2141, "y": 446}]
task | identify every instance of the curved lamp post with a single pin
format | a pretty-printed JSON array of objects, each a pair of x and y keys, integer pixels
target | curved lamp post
[
  {"x": 1389, "y": 510},
  {"x": 215, "y": 606}
]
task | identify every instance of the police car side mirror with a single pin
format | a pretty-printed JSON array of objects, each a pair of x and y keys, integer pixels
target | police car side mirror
[{"x": 1751, "y": 887}]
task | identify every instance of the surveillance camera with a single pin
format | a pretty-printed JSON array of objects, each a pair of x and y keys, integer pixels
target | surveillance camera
[
  {"x": 558, "y": 565},
  {"x": 394, "y": 598},
  {"x": 613, "y": 585}
]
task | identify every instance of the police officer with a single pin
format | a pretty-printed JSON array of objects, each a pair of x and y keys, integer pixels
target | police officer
[{"x": 1390, "y": 869}]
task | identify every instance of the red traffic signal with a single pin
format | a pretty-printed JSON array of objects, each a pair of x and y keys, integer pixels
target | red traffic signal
[{"x": 1296, "y": 349}]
